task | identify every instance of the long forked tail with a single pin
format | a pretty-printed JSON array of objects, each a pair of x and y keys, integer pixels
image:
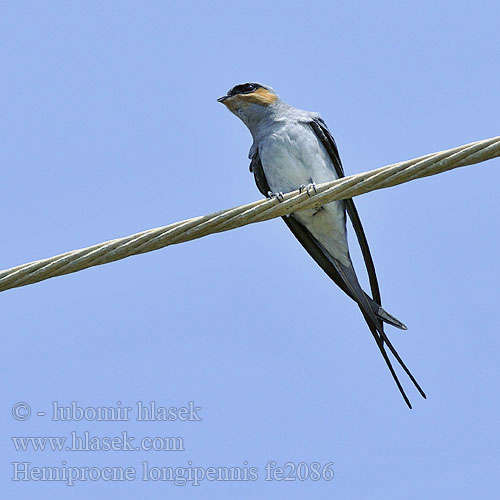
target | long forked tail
[
  {"x": 346, "y": 279},
  {"x": 376, "y": 327}
]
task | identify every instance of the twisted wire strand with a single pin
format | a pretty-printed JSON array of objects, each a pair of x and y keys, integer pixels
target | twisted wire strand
[{"x": 258, "y": 211}]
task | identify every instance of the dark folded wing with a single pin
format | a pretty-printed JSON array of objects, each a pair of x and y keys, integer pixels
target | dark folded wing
[
  {"x": 300, "y": 232},
  {"x": 323, "y": 134},
  {"x": 259, "y": 175},
  {"x": 343, "y": 277}
]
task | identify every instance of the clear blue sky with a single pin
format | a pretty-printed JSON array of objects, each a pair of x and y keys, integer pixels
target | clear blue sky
[{"x": 110, "y": 125}]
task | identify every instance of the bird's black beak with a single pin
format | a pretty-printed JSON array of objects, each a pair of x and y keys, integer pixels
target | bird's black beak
[{"x": 223, "y": 98}]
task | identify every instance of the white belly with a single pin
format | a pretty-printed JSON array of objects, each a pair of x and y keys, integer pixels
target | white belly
[{"x": 293, "y": 156}]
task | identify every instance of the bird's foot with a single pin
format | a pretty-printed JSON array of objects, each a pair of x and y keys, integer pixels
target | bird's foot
[
  {"x": 279, "y": 196},
  {"x": 308, "y": 188}
]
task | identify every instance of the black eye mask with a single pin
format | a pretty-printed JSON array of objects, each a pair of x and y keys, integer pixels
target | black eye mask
[{"x": 245, "y": 88}]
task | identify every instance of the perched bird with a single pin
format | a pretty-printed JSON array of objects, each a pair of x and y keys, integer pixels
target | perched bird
[{"x": 293, "y": 149}]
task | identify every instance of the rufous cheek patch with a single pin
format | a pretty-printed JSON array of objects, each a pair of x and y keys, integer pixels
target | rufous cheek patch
[{"x": 261, "y": 96}]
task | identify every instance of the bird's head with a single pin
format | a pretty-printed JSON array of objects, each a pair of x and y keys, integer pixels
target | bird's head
[{"x": 250, "y": 101}]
